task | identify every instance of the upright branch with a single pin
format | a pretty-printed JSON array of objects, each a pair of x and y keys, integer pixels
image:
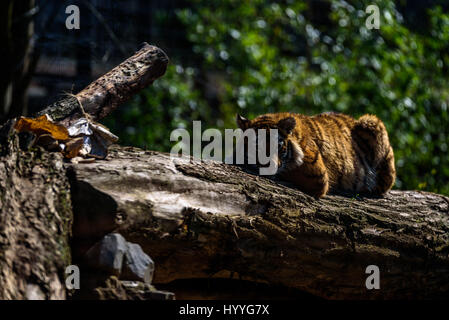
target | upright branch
[{"x": 114, "y": 88}]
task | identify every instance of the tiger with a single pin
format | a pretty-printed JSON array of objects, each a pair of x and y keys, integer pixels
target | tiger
[{"x": 330, "y": 152}]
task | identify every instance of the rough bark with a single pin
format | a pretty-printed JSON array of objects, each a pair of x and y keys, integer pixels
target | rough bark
[
  {"x": 35, "y": 222},
  {"x": 114, "y": 88},
  {"x": 207, "y": 219}
]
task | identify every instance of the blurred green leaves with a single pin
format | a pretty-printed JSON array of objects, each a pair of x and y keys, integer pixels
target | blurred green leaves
[{"x": 255, "y": 57}]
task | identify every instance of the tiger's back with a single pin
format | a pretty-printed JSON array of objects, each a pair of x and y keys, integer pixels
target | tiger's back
[
  {"x": 332, "y": 152},
  {"x": 347, "y": 163}
]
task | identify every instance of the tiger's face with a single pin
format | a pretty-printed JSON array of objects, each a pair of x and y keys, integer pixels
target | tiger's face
[{"x": 278, "y": 145}]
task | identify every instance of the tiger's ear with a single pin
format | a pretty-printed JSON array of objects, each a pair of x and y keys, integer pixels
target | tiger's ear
[
  {"x": 287, "y": 124},
  {"x": 242, "y": 122}
]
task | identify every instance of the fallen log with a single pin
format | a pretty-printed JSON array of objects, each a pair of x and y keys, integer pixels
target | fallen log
[
  {"x": 35, "y": 222},
  {"x": 207, "y": 219}
]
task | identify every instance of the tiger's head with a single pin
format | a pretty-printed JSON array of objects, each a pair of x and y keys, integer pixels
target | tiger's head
[{"x": 288, "y": 151}]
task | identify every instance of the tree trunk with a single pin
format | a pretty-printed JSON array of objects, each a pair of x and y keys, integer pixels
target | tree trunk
[
  {"x": 35, "y": 222},
  {"x": 207, "y": 219}
]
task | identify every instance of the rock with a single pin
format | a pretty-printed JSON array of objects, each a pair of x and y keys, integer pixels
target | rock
[
  {"x": 107, "y": 255},
  {"x": 114, "y": 289},
  {"x": 138, "y": 265},
  {"x": 113, "y": 255}
]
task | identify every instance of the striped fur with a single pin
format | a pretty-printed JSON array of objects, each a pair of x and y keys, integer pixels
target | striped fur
[{"x": 331, "y": 152}]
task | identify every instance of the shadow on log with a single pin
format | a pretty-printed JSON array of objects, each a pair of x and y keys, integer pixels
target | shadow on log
[{"x": 207, "y": 219}]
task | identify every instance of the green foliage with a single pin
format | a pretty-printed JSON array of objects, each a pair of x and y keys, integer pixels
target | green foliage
[
  {"x": 257, "y": 56},
  {"x": 170, "y": 103}
]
